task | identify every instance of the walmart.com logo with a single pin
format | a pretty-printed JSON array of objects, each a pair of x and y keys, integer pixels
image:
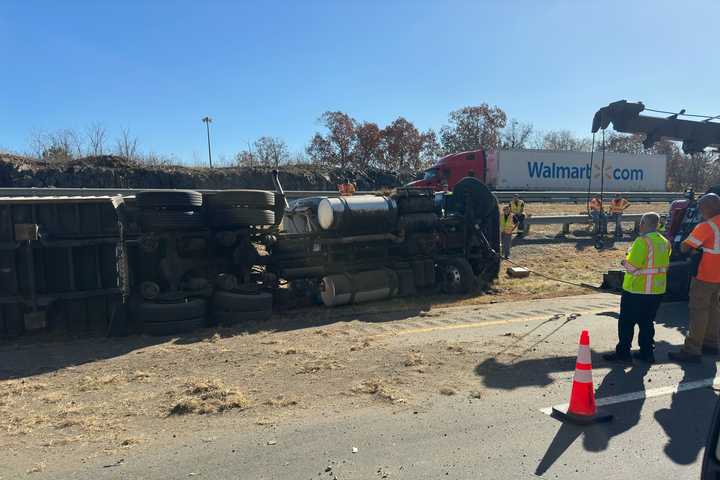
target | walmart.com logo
[{"x": 555, "y": 171}]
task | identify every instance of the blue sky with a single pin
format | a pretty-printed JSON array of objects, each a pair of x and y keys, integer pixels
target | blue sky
[{"x": 272, "y": 67}]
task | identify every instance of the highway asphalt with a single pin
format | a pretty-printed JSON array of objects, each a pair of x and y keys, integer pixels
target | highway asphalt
[{"x": 501, "y": 431}]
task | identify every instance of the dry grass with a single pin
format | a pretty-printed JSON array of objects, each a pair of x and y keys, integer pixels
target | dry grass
[
  {"x": 447, "y": 391},
  {"x": 413, "y": 359},
  {"x": 379, "y": 389},
  {"x": 281, "y": 401},
  {"x": 207, "y": 396}
]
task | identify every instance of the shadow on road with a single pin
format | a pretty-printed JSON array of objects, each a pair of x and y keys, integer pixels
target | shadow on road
[
  {"x": 597, "y": 437},
  {"x": 687, "y": 420}
]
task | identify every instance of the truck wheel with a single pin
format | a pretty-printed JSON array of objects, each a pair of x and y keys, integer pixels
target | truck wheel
[
  {"x": 171, "y": 199},
  {"x": 456, "y": 276},
  {"x": 173, "y": 327},
  {"x": 241, "y": 302},
  {"x": 259, "y": 199},
  {"x": 168, "y": 220},
  {"x": 241, "y": 217},
  {"x": 483, "y": 200},
  {"x": 149, "y": 312}
]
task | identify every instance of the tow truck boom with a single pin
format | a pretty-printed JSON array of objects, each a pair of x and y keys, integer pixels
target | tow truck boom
[{"x": 625, "y": 117}]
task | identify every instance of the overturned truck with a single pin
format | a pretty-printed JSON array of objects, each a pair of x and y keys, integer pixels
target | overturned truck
[{"x": 169, "y": 261}]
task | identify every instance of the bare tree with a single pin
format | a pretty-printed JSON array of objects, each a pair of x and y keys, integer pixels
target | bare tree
[
  {"x": 96, "y": 139},
  {"x": 56, "y": 146},
  {"x": 245, "y": 158},
  {"x": 271, "y": 151},
  {"x": 516, "y": 136},
  {"x": 565, "y": 140},
  {"x": 127, "y": 145}
]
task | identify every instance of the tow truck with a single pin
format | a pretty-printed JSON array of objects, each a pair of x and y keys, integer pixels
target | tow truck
[{"x": 696, "y": 136}]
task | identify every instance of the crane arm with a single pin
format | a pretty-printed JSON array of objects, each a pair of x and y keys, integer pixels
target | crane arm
[{"x": 625, "y": 117}]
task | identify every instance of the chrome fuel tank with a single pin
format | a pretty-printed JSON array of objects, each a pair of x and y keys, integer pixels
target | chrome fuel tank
[{"x": 358, "y": 214}]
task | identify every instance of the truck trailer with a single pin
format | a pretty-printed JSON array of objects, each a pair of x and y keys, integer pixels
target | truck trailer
[{"x": 549, "y": 170}]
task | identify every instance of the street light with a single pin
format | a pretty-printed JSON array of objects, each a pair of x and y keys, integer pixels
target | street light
[{"x": 207, "y": 121}]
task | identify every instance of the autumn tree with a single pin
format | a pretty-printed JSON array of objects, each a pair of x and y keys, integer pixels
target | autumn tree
[
  {"x": 473, "y": 128},
  {"x": 368, "y": 149},
  {"x": 337, "y": 145},
  {"x": 404, "y": 145}
]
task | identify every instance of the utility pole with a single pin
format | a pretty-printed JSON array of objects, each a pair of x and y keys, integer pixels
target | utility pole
[{"x": 207, "y": 121}]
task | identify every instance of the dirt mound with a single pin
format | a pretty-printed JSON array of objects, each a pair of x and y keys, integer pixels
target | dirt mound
[{"x": 110, "y": 171}]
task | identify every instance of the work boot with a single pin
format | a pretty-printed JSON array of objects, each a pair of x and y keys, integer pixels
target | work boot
[
  {"x": 684, "y": 357},
  {"x": 710, "y": 350},
  {"x": 616, "y": 358},
  {"x": 644, "y": 357}
]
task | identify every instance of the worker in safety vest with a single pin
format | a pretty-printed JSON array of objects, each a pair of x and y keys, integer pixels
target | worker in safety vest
[
  {"x": 617, "y": 206},
  {"x": 507, "y": 227},
  {"x": 644, "y": 285},
  {"x": 598, "y": 216},
  {"x": 346, "y": 189},
  {"x": 517, "y": 207},
  {"x": 704, "y": 304}
]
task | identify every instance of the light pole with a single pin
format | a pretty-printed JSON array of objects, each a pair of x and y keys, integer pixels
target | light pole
[{"x": 207, "y": 121}]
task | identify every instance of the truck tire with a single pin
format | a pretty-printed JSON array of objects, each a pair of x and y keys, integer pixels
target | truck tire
[
  {"x": 241, "y": 217},
  {"x": 456, "y": 276},
  {"x": 259, "y": 199},
  {"x": 170, "y": 199},
  {"x": 152, "y": 312},
  {"x": 168, "y": 220},
  {"x": 173, "y": 327},
  {"x": 241, "y": 302},
  {"x": 227, "y": 319},
  {"x": 483, "y": 200}
]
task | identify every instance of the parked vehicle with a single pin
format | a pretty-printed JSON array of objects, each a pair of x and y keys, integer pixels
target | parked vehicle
[{"x": 548, "y": 170}]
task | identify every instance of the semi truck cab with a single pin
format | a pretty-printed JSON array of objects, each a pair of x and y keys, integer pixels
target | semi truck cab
[{"x": 448, "y": 170}]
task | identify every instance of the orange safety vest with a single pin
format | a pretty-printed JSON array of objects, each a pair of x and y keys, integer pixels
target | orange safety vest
[
  {"x": 346, "y": 189},
  {"x": 596, "y": 205},
  {"x": 618, "y": 205},
  {"x": 707, "y": 236}
]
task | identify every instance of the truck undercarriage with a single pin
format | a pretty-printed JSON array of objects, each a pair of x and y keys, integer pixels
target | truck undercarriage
[{"x": 169, "y": 261}]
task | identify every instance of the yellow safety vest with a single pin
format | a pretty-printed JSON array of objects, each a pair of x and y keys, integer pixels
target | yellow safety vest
[
  {"x": 507, "y": 225},
  {"x": 517, "y": 207},
  {"x": 647, "y": 264}
]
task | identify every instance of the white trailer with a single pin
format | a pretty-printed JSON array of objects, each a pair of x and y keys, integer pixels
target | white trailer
[{"x": 554, "y": 171}]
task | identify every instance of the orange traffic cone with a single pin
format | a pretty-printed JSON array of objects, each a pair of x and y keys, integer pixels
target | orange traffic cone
[{"x": 582, "y": 408}]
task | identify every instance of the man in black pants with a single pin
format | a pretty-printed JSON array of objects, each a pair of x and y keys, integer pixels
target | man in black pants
[{"x": 645, "y": 282}]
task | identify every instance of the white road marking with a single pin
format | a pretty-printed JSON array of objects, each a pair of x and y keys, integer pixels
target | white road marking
[{"x": 653, "y": 392}]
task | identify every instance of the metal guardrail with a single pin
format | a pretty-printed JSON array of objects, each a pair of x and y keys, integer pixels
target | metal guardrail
[
  {"x": 567, "y": 220},
  {"x": 502, "y": 196}
]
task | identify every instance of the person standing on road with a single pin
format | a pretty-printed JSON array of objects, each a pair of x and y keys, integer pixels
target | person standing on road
[
  {"x": 507, "y": 227},
  {"x": 517, "y": 207},
  {"x": 618, "y": 205},
  {"x": 645, "y": 281},
  {"x": 597, "y": 214},
  {"x": 704, "y": 304}
]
